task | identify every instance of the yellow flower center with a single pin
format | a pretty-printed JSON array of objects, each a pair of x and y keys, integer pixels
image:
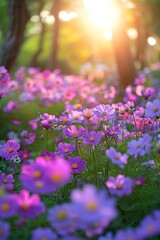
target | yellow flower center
[
  {"x": 66, "y": 150},
  {"x": 74, "y": 165},
  {"x": 24, "y": 206},
  {"x": 76, "y": 118},
  {"x": 119, "y": 187},
  {"x": 5, "y": 181},
  {"x": 88, "y": 115},
  {"x": 25, "y": 156},
  {"x": 75, "y": 134},
  {"x": 117, "y": 157},
  {"x": 62, "y": 215},
  {"x": 91, "y": 206},
  {"x": 112, "y": 132},
  {"x": 39, "y": 184},
  {"x": 91, "y": 139},
  {"x": 10, "y": 150},
  {"x": 65, "y": 120},
  {"x": 56, "y": 178},
  {"x": 37, "y": 174},
  {"x": 104, "y": 113},
  {"x": 138, "y": 145},
  {"x": 155, "y": 109},
  {"x": 5, "y": 207},
  {"x": 1, "y": 232}
]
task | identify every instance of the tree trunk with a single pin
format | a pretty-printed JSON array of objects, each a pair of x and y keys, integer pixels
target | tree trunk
[
  {"x": 41, "y": 37},
  {"x": 19, "y": 16},
  {"x": 54, "y": 49},
  {"x": 122, "y": 51}
]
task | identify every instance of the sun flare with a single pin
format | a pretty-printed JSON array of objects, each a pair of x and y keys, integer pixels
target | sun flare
[{"x": 103, "y": 13}]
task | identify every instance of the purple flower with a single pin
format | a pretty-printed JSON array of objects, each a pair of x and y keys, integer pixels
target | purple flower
[
  {"x": 43, "y": 176},
  {"x": 149, "y": 226},
  {"x": 4, "y": 230},
  {"x": 104, "y": 111},
  {"x": 24, "y": 155},
  {"x": 153, "y": 108},
  {"x": 43, "y": 233},
  {"x": 28, "y": 206},
  {"x": 11, "y": 105},
  {"x": 8, "y": 207},
  {"x": 92, "y": 138},
  {"x": 93, "y": 208},
  {"x": 48, "y": 155},
  {"x": 117, "y": 157},
  {"x": 77, "y": 164},
  {"x": 73, "y": 132},
  {"x": 112, "y": 132},
  {"x": 65, "y": 149},
  {"x": 140, "y": 146},
  {"x": 63, "y": 219},
  {"x": 75, "y": 117},
  {"x": 146, "y": 93},
  {"x": 6, "y": 181},
  {"x": 9, "y": 149},
  {"x": 127, "y": 234},
  {"x": 120, "y": 185}
]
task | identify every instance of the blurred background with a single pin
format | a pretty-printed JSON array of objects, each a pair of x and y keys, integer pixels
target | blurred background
[{"x": 79, "y": 35}]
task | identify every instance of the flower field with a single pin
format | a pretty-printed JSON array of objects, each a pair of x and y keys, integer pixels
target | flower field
[{"x": 75, "y": 162}]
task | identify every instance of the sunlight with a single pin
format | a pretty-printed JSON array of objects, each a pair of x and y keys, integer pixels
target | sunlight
[{"x": 104, "y": 13}]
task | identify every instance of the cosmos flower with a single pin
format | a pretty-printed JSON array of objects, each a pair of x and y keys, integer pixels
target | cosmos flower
[
  {"x": 112, "y": 132},
  {"x": 93, "y": 206},
  {"x": 63, "y": 219},
  {"x": 73, "y": 132},
  {"x": 9, "y": 150},
  {"x": 149, "y": 225},
  {"x": 28, "y": 206},
  {"x": 120, "y": 185},
  {"x": 4, "y": 230},
  {"x": 43, "y": 234},
  {"x": 140, "y": 147},
  {"x": 104, "y": 111},
  {"x": 77, "y": 164},
  {"x": 153, "y": 108},
  {"x": 43, "y": 176},
  {"x": 6, "y": 181},
  {"x": 92, "y": 138},
  {"x": 65, "y": 149},
  {"x": 117, "y": 157},
  {"x": 8, "y": 207}
]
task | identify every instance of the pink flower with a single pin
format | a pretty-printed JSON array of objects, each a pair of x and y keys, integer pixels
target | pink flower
[{"x": 9, "y": 150}]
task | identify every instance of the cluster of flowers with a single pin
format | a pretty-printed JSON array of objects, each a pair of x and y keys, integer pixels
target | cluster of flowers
[
  {"x": 52, "y": 87},
  {"x": 79, "y": 132}
]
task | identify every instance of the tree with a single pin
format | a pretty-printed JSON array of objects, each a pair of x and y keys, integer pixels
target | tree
[{"x": 19, "y": 16}]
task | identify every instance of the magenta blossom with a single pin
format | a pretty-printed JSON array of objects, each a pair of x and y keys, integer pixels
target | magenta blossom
[
  {"x": 28, "y": 206},
  {"x": 4, "y": 230},
  {"x": 92, "y": 138},
  {"x": 140, "y": 147},
  {"x": 73, "y": 132},
  {"x": 104, "y": 110},
  {"x": 153, "y": 108},
  {"x": 43, "y": 176},
  {"x": 6, "y": 181},
  {"x": 24, "y": 155},
  {"x": 117, "y": 157},
  {"x": 9, "y": 150},
  {"x": 65, "y": 149},
  {"x": 120, "y": 185},
  {"x": 112, "y": 132},
  {"x": 77, "y": 164},
  {"x": 8, "y": 207},
  {"x": 43, "y": 234}
]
